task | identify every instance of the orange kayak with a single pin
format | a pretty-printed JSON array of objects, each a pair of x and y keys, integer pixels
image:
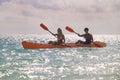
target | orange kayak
[{"x": 31, "y": 45}]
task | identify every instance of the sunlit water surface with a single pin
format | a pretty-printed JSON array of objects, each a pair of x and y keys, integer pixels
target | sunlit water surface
[{"x": 17, "y": 63}]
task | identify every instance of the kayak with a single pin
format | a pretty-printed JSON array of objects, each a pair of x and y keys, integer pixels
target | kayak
[{"x": 32, "y": 45}]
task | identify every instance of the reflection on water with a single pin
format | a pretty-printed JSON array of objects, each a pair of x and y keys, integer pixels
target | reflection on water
[{"x": 17, "y": 63}]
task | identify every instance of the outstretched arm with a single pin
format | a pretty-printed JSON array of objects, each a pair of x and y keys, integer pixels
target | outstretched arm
[
  {"x": 92, "y": 38},
  {"x": 52, "y": 33},
  {"x": 80, "y": 35},
  {"x": 63, "y": 38}
]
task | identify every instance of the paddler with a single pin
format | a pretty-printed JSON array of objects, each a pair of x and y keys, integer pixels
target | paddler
[
  {"x": 60, "y": 38},
  {"x": 87, "y": 36}
]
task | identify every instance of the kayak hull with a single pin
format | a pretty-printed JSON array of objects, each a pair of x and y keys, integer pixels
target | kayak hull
[{"x": 31, "y": 45}]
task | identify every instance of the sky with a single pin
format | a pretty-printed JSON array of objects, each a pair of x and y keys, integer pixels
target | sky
[{"x": 25, "y": 16}]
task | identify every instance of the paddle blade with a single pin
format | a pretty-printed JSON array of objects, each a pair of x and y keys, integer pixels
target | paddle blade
[
  {"x": 44, "y": 26},
  {"x": 69, "y": 29}
]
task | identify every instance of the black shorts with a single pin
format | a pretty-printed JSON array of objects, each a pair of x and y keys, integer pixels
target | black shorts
[{"x": 87, "y": 42}]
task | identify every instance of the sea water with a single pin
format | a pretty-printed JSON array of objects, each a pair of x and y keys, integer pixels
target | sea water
[{"x": 17, "y": 63}]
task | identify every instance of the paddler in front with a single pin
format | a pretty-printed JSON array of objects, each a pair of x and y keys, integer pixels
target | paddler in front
[
  {"x": 87, "y": 36},
  {"x": 60, "y": 38}
]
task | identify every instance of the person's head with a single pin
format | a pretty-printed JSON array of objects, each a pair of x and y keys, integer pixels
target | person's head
[
  {"x": 59, "y": 31},
  {"x": 86, "y": 29}
]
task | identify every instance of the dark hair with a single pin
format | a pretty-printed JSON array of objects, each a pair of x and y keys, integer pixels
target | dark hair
[
  {"x": 59, "y": 30},
  {"x": 86, "y": 29}
]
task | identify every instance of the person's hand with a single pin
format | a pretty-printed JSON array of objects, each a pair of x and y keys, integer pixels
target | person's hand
[{"x": 78, "y": 34}]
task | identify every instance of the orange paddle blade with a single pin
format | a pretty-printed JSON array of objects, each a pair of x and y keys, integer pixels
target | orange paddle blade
[
  {"x": 69, "y": 29},
  {"x": 44, "y": 27}
]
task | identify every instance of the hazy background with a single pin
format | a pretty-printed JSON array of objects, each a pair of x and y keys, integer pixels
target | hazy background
[{"x": 24, "y": 16}]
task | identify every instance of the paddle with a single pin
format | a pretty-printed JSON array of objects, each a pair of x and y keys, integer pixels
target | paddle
[
  {"x": 45, "y": 28},
  {"x": 71, "y": 30}
]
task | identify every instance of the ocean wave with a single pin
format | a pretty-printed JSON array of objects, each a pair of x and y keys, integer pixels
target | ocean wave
[{"x": 58, "y": 64}]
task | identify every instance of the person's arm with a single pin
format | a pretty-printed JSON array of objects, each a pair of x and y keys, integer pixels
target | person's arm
[
  {"x": 54, "y": 34},
  {"x": 63, "y": 38},
  {"x": 92, "y": 38},
  {"x": 80, "y": 35}
]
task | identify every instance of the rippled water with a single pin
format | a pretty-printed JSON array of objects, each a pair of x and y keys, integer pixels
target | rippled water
[{"x": 17, "y": 63}]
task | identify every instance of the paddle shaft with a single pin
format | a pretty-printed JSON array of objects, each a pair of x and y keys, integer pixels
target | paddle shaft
[
  {"x": 76, "y": 33},
  {"x": 51, "y": 32}
]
